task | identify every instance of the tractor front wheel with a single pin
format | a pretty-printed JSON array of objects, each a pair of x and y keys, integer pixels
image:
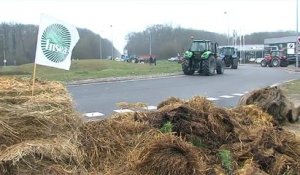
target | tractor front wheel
[
  {"x": 209, "y": 65},
  {"x": 263, "y": 63},
  {"x": 275, "y": 62}
]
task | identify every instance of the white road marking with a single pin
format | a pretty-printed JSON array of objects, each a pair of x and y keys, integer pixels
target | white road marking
[
  {"x": 212, "y": 99},
  {"x": 94, "y": 114},
  {"x": 227, "y": 96},
  {"x": 238, "y": 94},
  {"x": 123, "y": 110}
]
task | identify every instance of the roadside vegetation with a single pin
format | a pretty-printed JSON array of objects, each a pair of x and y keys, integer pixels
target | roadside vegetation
[
  {"x": 89, "y": 69},
  {"x": 293, "y": 87}
]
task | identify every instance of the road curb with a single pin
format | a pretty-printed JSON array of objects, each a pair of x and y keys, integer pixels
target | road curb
[
  {"x": 116, "y": 79},
  {"x": 293, "y": 69}
]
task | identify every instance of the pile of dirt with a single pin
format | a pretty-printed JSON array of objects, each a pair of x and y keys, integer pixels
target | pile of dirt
[
  {"x": 37, "y": 133},
  {"x": 273, "y": 101}
]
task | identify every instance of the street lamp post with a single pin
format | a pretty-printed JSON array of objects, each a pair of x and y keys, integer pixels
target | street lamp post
[
  {"x": 100, "y": 47},
  {"x": 3, "y": 39},
  {"x": 297, "y": 32},
  {"x": 150, "y": 45},
  {"x": 227, "y": 19},
  {"x": 112, "y": 43}
]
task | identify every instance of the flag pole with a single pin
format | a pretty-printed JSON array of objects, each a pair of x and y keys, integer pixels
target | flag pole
[{"x": 33, "y": 78}]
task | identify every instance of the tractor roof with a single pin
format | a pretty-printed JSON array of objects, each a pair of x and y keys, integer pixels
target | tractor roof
[
  {"x": 201, "y": 40},
  {"x": 227, "y": 47}
]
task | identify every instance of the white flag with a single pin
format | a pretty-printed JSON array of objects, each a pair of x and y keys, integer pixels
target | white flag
[{"x": 56, "y": 40}]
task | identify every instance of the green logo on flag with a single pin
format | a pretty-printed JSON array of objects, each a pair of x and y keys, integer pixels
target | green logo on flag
[{"x": 55, "y": 42}]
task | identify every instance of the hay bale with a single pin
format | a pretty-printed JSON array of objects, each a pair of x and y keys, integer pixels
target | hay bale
[
  {"x": 42, "y": 116},
  {"x": 21, "y": 86},
  {"x": 41, "y": 156},
  {"x": 273, "y": 101},
  {"x": 171, "y": 155},
  {"x": 47, "y": 114},
  {"x": 38, "y": 134}
]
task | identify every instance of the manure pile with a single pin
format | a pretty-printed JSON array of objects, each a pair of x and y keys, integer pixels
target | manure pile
[{"x": 43, "y": 134}]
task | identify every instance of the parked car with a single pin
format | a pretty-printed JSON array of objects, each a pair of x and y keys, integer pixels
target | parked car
[
  {"x": 258, "y": 60},
  {"x": 173, "y": 59},
  {"x": 251, "y": 59}
]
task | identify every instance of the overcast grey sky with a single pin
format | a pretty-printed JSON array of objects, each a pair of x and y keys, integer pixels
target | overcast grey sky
[{"x": 125, "y": 16}]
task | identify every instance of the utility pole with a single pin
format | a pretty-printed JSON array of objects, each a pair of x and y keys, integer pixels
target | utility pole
[
  {"x": 4, "y": 59},
  {"x": 100, "y": 47},
  {"x": 227, "y": 19},
  {"x": 150, "y": 44},
  {"x": 297, "y": 41},
  {"x": 112, "y": 43}
]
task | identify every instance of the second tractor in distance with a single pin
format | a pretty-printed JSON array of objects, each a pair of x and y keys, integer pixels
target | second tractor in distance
[{"x": 229, "y": 56}]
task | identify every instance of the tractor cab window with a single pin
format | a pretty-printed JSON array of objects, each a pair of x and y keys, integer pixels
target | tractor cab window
[
  {"x": 228, "y": 51},
  {"x": 198, "y": 46},
  {"x": 273, "y": 54}
]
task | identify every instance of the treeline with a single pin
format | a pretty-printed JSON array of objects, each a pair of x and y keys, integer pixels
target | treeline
[
  {"x": 167, "y": 41},
  {"x": 18, "y": 44}
]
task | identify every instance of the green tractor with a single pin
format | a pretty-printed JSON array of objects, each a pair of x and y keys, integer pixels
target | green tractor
[{"x": 202, "y": 57}]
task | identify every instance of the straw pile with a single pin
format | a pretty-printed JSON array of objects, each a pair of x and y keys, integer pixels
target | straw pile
[
  {"x": 37, "y": 133},
  {"x": 273, "y": 101},
  {"x": 121, "y": 145},
  {"x": 246, "y": 132},
  {"x": 44, "y": 135}
]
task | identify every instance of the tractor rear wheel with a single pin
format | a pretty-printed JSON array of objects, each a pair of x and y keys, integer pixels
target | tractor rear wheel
[
  {"x": 263, "y": 63},
  {"x": 275, "y": 62},
  {"x": 187, "y": 69},
  {"x": 234, "y": 64},
  {"x": 209, "y": 65}
]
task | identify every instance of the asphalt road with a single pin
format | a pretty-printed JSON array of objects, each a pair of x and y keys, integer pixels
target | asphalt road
[{"x": 225, "y": 90}]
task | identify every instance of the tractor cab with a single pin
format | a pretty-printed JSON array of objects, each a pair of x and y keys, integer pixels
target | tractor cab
[
  {"x": 227, "y": 51},
  {"x": 276, "y": 53},
  {"x": 198, "y": 47}
]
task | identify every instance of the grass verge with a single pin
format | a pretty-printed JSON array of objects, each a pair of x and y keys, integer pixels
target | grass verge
[{"x": 90, "y": 69}]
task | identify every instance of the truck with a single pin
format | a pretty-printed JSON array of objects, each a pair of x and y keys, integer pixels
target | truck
[{"x": 202, "y": 57}]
